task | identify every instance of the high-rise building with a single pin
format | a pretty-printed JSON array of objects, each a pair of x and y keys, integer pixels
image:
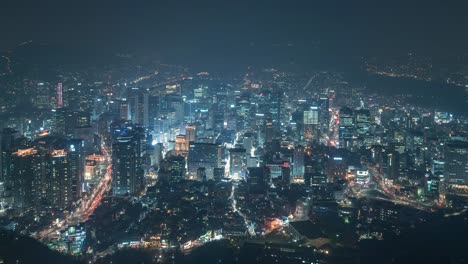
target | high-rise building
[
  {"x": 124, "y": 109},
  {"x": 218, "y": 173},
  {"x": 59, "y": 96},
  {"x": 324, "y": 115},
  {"x": 42, "y": 97},
  {"x": 177, "y": 168},
  {"x": 181, "y": 145},
  {"x": 76, "y": 161},
  {"x": 7, "y": 147},
  {"x": 311, "y": 121},
  {"x": 127, "y": 172},
  {"x": 456, "y": 162},
  {"x": 362, "y": 121},
  {"x": 298, "y": 162},
  {"x": 60, "y": 121},
  {"x": 191, "y": 133},
  {"x": 204, "y": 155},
  {"x": 269, "y": 131},
  {"x": 24, "y": 178},
  {"x": 391, "y": 166},
  {"x": 59, "y": 192},
  {"x": 346, "y": 129},
  {"x": 139, "y": 106},
  {"x": 256, "y": 180},
  {"x": 237, "y": 163},
  {"x": 47, "y": 174}
]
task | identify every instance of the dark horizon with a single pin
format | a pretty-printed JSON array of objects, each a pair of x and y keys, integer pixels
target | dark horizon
[{"x": 214, "y": 28}]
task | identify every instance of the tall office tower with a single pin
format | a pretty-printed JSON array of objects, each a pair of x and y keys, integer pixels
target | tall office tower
[
  {"x": 311, "y": 121},
  {"x": 153, "y": 110},
  {"x": 278, "y": 108},
  {"x": 456, "y": 162},
  {"x": 191, "y": 133},
  {"x": 181, "y": 145},
  {"x": 242, "y": 111},
  {"x": 324, "y": 115},
  {"x": 59, "y": 90},
  {"x": 24, "y": 178},
  {"x": 204, "y": 155},
  {"x": 124, "y": 109},
  {"x": 7, "y": 147},
  {"x": 362, "y": 121},
  {"x": 391, "y": 166},
  {"x": 127, "y": 172},
  {"x": 218, "y": 118},
  {"x": 42, "y": 97},
  {"x": 298, "y": 119},
  {"x": 248, "y": 143},
  {"x": 76, "y": 162},
  {"x": 259, "y": 127},
  {"x": 298, "y": 167},
  {"x": 145, "y": 110},
  {"x": 237, "y": 163},
  {"x": 256, "y": 180},
  {"x": 59, "y": 180},
  {"x": 346, "y": 129},
  {"x": 139, "y": 106},
  {"x": 200, "y": 92},
  {"x": 60, "y": 121},
  {"x": 269, "y": 130},
  {"x": 66, "y": 122},
  {"x": 218, "y": 173},
  {"x": 178, "y": 106},
  {"x": 176, "y": 168}
]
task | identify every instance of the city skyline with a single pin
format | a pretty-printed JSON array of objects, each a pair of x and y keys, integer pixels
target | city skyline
[{"x": 216, "y": 132}]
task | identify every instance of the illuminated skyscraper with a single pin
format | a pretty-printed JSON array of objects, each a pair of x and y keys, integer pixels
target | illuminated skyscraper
[
  {"x": 237, "y": 162},
  {"x": 324, "y": 116},
  {"x": 269, "y": 131},
  {"x": 298, "y": 162},
  {"x": 127, "y": 173},
  {"x": 76, "y": 164},
  {"x": 456, "y": 162},
  {"x": 59, "y": 95},
  {"x": 191, "y": 133},
  {"x": 42, "y": 96},
  {"x": 311, "y": 121},
  {"x": 362, "y": 121},
  {"x": 203, "y": 155},
  {"x": 181, "y": 145},
  {"x": 346, "y": 129},
  {"x": 24, "y": 178},
  {"x": 139, "y": 106}
]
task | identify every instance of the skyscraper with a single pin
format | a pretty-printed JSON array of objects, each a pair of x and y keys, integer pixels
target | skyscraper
[
  {"x": 346, "y": 129},
  {"x": 456, "y": 162},
  {"x": 311, "y": 121},
  {"x": 59, "y": 95},
  {"x": 127, "y": 173},
  {"x": 237, "y": 162},
  {"x": 24, "y": 178},
  {"x": 190, "y": 133},
  {"x": 362, "y": 121},
  {"x": 298, "y": 162},
  {"x": 269, "y": 131},
  {"x": 324, "y": 116},
  {"x": 204, "y": 155}
]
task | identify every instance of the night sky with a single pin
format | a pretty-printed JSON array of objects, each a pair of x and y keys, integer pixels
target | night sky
[{"x": 210, "y": 29}]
